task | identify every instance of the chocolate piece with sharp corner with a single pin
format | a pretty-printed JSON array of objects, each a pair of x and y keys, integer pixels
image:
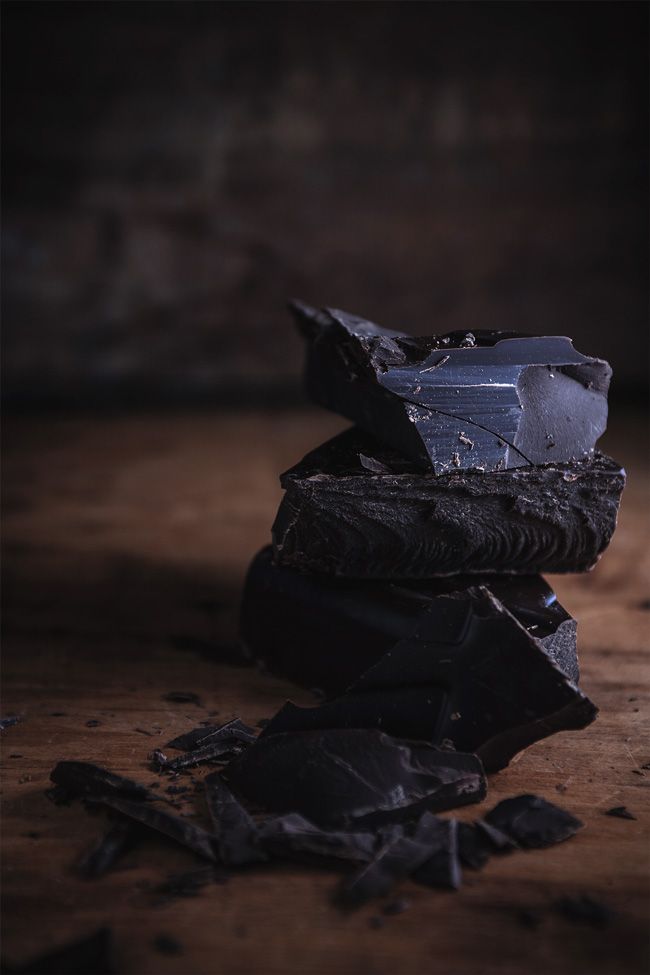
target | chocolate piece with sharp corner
[
  {"x": 296, "y": 837},
  {"x": 235, "y": 731},
  {"x": 393, "y": 521},
  {"x": 107, "y": 851},
  {"x": 474, "y": 848},
  {"x": 397, "y": 858},
  {"x": 323, "y": 632},
  {"x": 468, "y": 676},
  {"x": 237, "y": 834},
  {"x": 86, "y": 779},
  {"x": 442, "y": 868},
  {"x": 338, "y": 778},
  {"x": 466, "y": 400},
  {"x": 181, "y": 830},
  {"x": 532, "y": 822}
]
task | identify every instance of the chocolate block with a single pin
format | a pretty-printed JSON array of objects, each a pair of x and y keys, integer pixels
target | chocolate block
[
  {"x": 467, "y": 400},
  {"x": 355, "y": 509},
  {"x": 468, "y": 675},
  {"x": 324, "y": 633}
]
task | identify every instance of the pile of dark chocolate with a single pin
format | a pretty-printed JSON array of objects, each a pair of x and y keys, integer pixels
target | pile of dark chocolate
[{"x": 402, "y": 587}]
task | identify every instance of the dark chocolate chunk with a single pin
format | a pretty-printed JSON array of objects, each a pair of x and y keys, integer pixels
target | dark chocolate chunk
[
  {"x": 474, "y": 847},
  {"x": 337, "y": 517},
  {"x": 220, "y": 750},
  {"x": 532, "y": 822},
  {"x": 237, "y": 835},
  {"x": 187, "y": 834},
  {"x": 182, "y": 697},
  {"x": 102, "y": 857},
  {"x": 468, "y": 676},
  {"x": 442, "y": 868},
  {"x": 295, "y": 837},
  {"x": 324, "y": 632},
  {"x": 467, "y": 400},
  {"x": 9, "y": 721},
  {"x": 234, "y": 730},
  {"x": 189, "y": 884},
  {"x": 339, "y": 777},
  {"x": 399, "y": 857},
  {"x": 89, "y": 956},
  {"x": 620, "y": 812},
  {"x": 93, "y": 723},
  {"x": 85, "y": 779},
  {"x": 585, "y": 910}
]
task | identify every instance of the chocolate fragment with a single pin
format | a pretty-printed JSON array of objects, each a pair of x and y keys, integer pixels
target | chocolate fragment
[
  {"x": 620, "y": 812},
  {"x": 442, "y": 868},
  {"x": 182, "y": 697},
  {"x": 236, "y": 833},
  {"x": 474, "y": 847},
  {"x": 483, "y": 399},
  {"x": 323, "y": 632},
  {"x": 338, "y": 778},
  {"x": 532, "y": 822},
  {"x": 295, "y": 837},
  {"x": 86, "y": 779},
  {"x": 181, "y": 830},
  {"x": 9, "y": 721},
  {"x": 399, "y": 857},
  {"x": 103, "y": 856},
  {"x": 234, "y": 730},
  {"x": 220, "y": 750},
  {"x": 468, "y": 676},
  {"x": 189, "y": 884},
  {"x": 338, "y": 517}
]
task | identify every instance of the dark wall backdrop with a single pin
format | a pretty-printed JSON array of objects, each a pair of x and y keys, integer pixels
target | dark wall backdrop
[{"x": 173, "y": 172}]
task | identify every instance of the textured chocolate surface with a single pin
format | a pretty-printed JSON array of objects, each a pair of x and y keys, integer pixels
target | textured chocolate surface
[
  {"x": 324, "y": 632},
  {"x": 469, "y": 676},
  {"x": 338, "y": 777},
  {"x": 355, "y": 509},
  {"x": 467, "y": 400}
]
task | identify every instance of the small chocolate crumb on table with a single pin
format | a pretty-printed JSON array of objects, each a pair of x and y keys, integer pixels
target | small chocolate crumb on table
[{"x": 125, "y": 544}]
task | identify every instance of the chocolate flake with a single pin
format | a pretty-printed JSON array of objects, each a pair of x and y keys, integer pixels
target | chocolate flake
[
  {"x": 532, "y": 822},
  {"x": 236, "y": 833},
  {"x": 338, "y": 777},
  {"x": 103, "y": 856},
  {"x": 9, "y": 721},
  {"x": 442, "y": 868},
  {"x": 620, "y": 812},
  {"x": 187, "y": 834},
  {"x": 234, "y": 730}
]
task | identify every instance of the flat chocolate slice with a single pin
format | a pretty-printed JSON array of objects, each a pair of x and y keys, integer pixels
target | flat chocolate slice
[
  {"x": 533, "y": 822},
  {"x": 355, "y": 509},
  {"x": 237, "y": 834},
  {"x": 341, "y": 777},
  {"x": 467, "y": 400},
  {"x": 324, "y": 632},
  {"x": 469, "y": 676}
]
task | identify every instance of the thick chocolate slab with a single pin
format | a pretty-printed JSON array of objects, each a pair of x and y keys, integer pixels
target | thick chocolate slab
[
  {"x": 337, "y": 778},
  {"x": 355, "y": 509},
  {"x": 467, "y": 400},
  {"x": 469, "y": 676},
  {"x": 324, "y": 632}
]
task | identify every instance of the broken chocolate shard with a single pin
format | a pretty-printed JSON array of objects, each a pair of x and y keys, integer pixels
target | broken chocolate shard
[
  {"x": 92, "y": 955},
  {"x": 466, "y": 400},
  {"x": 234, "y": 730},
  {"x": 236, "y": 833},
  {"x": 468, "y": 676},
  {"x": 532, "y": 822},
  {"x": 160, "y": 821},
  {"x": 399, "y": 857},
  {"x": 620, "y": 812},
  {"x": 295, "y": 837},
  {"x": 9, "y": 721},
  {"x": 474, "y": 848},
  {"x": 348, "y": 626},
  {"x": 103, "y": 856},
  {"x": 342, "y": 777},
  {"x": 585, "y": 910},
  {"x": 442, "y": 868},
  {"x": 86, "y": 779},
  {"x": 339, "y": 517},
  {"x": 220, "y": 750}
]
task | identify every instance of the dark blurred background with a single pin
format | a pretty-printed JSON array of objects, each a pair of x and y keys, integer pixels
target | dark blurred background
[{"x": 174, "y": 171}]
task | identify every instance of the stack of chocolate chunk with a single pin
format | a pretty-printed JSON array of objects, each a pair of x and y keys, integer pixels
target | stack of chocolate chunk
[{"x": 402, "y": 584}]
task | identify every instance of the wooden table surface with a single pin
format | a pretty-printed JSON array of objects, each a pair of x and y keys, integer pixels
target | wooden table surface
[{"x": 125, "y": 543}]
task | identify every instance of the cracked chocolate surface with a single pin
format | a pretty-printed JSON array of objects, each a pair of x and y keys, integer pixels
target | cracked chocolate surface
[
  {"x": 344, "y": 516},
  {"x": 480, "y": 400}
]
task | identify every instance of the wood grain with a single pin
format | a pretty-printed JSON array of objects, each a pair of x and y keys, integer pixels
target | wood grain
[{"x": 125, "y": 543}]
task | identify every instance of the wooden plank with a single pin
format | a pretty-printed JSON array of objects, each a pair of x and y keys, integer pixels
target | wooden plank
[{"x": 125, "y": 540}]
